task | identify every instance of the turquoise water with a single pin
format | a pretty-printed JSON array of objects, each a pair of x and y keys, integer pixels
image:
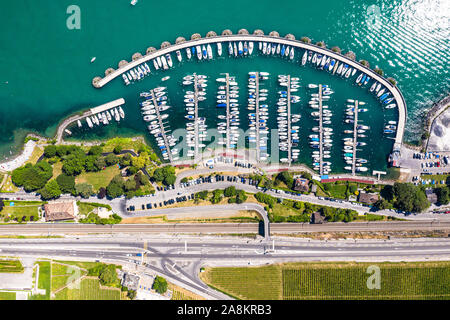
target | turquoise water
[{"x": 45, "y": 69}]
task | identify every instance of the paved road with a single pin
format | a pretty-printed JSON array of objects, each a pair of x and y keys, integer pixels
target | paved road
[
  {"x": 179, "y": 258},
  {"x": 172, "y": 194},
  {"x": 218, "y": 228}
]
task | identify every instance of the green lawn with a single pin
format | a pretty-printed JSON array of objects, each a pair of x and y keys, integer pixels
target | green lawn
[
  {"x": 341, "y": 280},
  {"x": 98, "y": 179},
  {"x": 14, "y": 266},
  {"x": 337, "y": 190},
  {"x": 7, "y": 296},
  {"x": 21, "y": 211},
  {"x": 44, "y": 281}
]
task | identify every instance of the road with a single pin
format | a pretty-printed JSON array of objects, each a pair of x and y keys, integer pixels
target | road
[
  {"x": 217, "y": 228},
  {"x": 179, "y": 258}
]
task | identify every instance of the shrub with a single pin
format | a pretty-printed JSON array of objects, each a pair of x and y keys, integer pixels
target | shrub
[
  {"x": 95, "y": 151},
  {"x": 111, "y": 159},
  {"x": 85, "y": 190}
]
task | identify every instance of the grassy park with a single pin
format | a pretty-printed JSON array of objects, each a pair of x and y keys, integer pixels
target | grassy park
[{"x": 299, "y": 281}]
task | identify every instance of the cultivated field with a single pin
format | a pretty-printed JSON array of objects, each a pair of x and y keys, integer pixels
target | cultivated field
[
  {"x": 89, "y": 289},
  {"x": 298, "y": 281}
]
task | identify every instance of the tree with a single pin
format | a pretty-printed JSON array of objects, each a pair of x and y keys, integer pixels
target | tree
[
  {"x": 142, "y": 178},
  {"x": 410, "y": 198},
  {"x": 73, "y": 165},
  {"x": 66, "y": 183},
  {"x": 184, "y": 180},
  {"x": 50, "y": 151},
  {"x": 111, "y": 159},
  {"x": 285, "y": 177},
  {"x": 130, "y": 194},
  {"x": 382, "y": 204},
  {"x": 241, "y": 197},
  {"x": 114, "y": 190},
  {"x": 353, "y": 188},
  {"x": 32, "y": 178},
  {"x": 131, "y": 294},
  {"x": 268, "y": 184},
  {"x": 216, "y": 196},
  {"x": 306, "y": 175},
  {"x": 95, "y": 151},
  {"x": 100, "y": 163},
  {"x": 299, "y": 205},
  {"x": 442, "y": 195},
  {"x": 125, "y": 160},
  {"x": 387, "y": 192},
  {"x": 169, "y": 180},
  {"x": 85, "y": 190},
  {"x": 129, "y": 185},
  {"x": 229, "y": 192},
  {"x": 160, "y": 285},
  {"x": 108, "y": 275},
  {"x": 50, "y": 191},
  {"x": 141, "y": 161},
  {"x": 90, "y": 163},
  {"x": 201, "y": 195},
  {"x": 117, "y": 149},
  {"x": 101, "y": 193},
  {"x": 132, "y": 170}
]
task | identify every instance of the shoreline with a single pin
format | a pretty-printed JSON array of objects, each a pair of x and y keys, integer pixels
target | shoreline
[{"x": 437, "y": 109}]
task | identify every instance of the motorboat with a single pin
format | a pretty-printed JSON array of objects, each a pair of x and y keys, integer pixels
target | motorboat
[
  {"x": 179, "y": 56},
  {"x": 188, "y": 53},
  {"x": 209, "y": 51},
  {"x": 219, "y": 48}
]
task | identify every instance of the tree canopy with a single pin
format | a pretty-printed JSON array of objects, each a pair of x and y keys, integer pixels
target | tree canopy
[{"x": 160, "y": 285}]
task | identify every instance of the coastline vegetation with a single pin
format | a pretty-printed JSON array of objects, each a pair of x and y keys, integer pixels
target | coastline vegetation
[{"x": 87, "y": 172}]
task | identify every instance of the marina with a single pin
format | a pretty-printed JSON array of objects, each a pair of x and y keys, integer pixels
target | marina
[{"x": 99, "y": 82}]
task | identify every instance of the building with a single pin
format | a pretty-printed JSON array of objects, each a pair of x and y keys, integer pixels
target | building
[
  {"x": 368, "y": 198},
  {"x": 301, "y": 184},
  {"x": 431, "y": 196},
  {"x": 317, "y": 218},
  {"x": 131, "y": 281},
  {"x": 60, "y": 211}
]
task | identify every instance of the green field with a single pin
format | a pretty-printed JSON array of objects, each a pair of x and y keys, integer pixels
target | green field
[
  {"x": 299, "y": 281},
  {"x": 11, "y": 266},
  {"x": 7, "y": 296},
  {"x": 89, "y": 290},
  {"x": 98, "y": 179}
]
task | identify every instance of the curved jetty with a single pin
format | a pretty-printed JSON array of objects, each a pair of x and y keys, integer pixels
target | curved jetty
[{"x": 272, "y": 38}]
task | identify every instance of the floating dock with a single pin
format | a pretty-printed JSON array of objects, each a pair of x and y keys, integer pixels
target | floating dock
[
  {"x": 258, "y": 145},
  {"x": 355, "y": 137},
  {"x": 108, "y": 106},
  {"x": 161, "y": 125},
  {"x": 289, "y": 119},
  {"x": 320, "y": 132}
]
